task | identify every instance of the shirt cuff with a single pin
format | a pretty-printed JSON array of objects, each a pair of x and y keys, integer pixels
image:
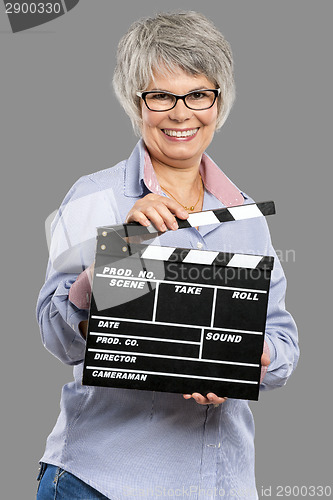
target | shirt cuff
[
  {"x": 74, "y": 322},
  {"x": 80, "y": 291}
]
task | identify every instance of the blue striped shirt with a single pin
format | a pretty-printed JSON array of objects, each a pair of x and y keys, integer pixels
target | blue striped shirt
[{"x": 142, "y": 444}]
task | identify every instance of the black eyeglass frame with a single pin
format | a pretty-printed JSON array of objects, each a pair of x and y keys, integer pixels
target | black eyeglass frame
[{"x": 177, "y": 97}]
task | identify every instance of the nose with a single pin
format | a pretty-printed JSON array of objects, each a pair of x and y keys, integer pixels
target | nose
[{"x": 180, "y": 112}]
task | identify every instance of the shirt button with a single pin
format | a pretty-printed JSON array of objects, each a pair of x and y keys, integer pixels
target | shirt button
[{"x": 199, "y": 245}]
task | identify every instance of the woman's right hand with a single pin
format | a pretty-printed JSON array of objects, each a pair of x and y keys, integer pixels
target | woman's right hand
[{"x": 157, "y": 210}]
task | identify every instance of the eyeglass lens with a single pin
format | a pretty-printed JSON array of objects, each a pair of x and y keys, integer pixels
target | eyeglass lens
[{"x": 159, "y": 101}]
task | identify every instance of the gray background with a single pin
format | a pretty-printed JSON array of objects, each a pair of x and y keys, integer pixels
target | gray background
[{"x": 60, "y": 120}]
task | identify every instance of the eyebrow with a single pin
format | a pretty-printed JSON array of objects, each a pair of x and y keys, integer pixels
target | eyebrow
[{"x": 164, "y": 90}]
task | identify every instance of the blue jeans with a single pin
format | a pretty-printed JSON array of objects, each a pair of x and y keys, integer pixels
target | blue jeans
[{"x": 57, "y": 484}]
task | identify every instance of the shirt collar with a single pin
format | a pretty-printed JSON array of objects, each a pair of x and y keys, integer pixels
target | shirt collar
[
  {"x": 218, "y": 184},
  {"x": 215, "y": 181},
  {"x": 134, "y": 172}
]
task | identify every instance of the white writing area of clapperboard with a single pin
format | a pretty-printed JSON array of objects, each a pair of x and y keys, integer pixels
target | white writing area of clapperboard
[{"x": 174, "y": 319}]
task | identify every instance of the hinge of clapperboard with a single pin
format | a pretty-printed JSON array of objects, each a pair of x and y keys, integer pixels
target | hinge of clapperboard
[{"x": 124, "y": 240}]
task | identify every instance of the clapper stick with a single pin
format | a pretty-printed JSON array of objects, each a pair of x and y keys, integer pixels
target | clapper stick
[
  {"x": 135, "y": 232},
  {"x": 174, "y": 319}
]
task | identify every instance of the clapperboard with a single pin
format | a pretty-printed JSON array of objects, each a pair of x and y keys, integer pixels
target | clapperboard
[{"x": 175, "y": 319}]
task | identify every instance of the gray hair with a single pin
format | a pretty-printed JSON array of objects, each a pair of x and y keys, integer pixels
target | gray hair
[{"x": 186, "y": 40}]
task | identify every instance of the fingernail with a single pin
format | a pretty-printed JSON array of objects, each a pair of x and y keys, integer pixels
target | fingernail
[
  {"x": 163, "y": 227},
  {"x": 174, "y": 226}
]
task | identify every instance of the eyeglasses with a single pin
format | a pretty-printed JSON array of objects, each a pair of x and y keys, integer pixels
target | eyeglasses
[{"x": 198, "y": 100}]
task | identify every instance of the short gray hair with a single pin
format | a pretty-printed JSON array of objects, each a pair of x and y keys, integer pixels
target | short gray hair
[{"x": 186, "y": 40}]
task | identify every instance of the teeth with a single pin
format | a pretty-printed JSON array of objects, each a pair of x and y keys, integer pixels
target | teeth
[{"x": 174, "y": 133}]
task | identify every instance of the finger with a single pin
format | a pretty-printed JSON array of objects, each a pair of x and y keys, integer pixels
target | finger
[
  {"x": 216, "y": 400},
  {"x": 167, "y": 216},
  {"x": 176, "y": 208},
  {"x": 200, "y": 399},
  {"x": 153, "y": 215},
  {"x": 147, "y": 216},
  {"x": 137, "y": 216},
  {"x": 210, "y": 399}
]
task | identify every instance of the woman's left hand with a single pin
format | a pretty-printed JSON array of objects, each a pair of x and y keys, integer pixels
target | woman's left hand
[{"x": 211, "y": 397}]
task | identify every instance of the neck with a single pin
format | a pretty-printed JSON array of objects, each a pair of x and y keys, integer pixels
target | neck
[
  {"x": 180, "y": 180},
  {"x": 183, "y": 185}
]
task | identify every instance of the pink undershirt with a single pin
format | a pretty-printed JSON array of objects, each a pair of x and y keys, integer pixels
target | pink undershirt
[{"x": 215, "y": 181}]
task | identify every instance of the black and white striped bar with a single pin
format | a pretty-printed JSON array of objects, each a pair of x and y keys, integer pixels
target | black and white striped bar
[
  {"x": 207, "y": 257},
  {"x": 240, "y": 212}
]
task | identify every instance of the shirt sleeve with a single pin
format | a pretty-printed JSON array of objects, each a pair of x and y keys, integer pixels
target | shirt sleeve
[
  {"x": 72, "y": 250},
  {"x": 281, "y": 334}
]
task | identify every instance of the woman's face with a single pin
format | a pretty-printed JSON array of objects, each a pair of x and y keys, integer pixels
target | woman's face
[{"x": 180, "y": 152}]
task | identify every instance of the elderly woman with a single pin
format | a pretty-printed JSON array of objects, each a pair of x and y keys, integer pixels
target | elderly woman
[{"x": 174, "y": 78}]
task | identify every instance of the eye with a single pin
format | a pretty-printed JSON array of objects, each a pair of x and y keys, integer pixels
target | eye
[
  {"x": 198, "y": 95},
  {"x": 160, "y": 96}
]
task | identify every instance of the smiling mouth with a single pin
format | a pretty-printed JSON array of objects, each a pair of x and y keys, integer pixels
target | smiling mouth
[{"x": 180, "y": 133}]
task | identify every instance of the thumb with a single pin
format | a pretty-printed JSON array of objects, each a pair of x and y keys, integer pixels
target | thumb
[{"x": 265, "y": 360}]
